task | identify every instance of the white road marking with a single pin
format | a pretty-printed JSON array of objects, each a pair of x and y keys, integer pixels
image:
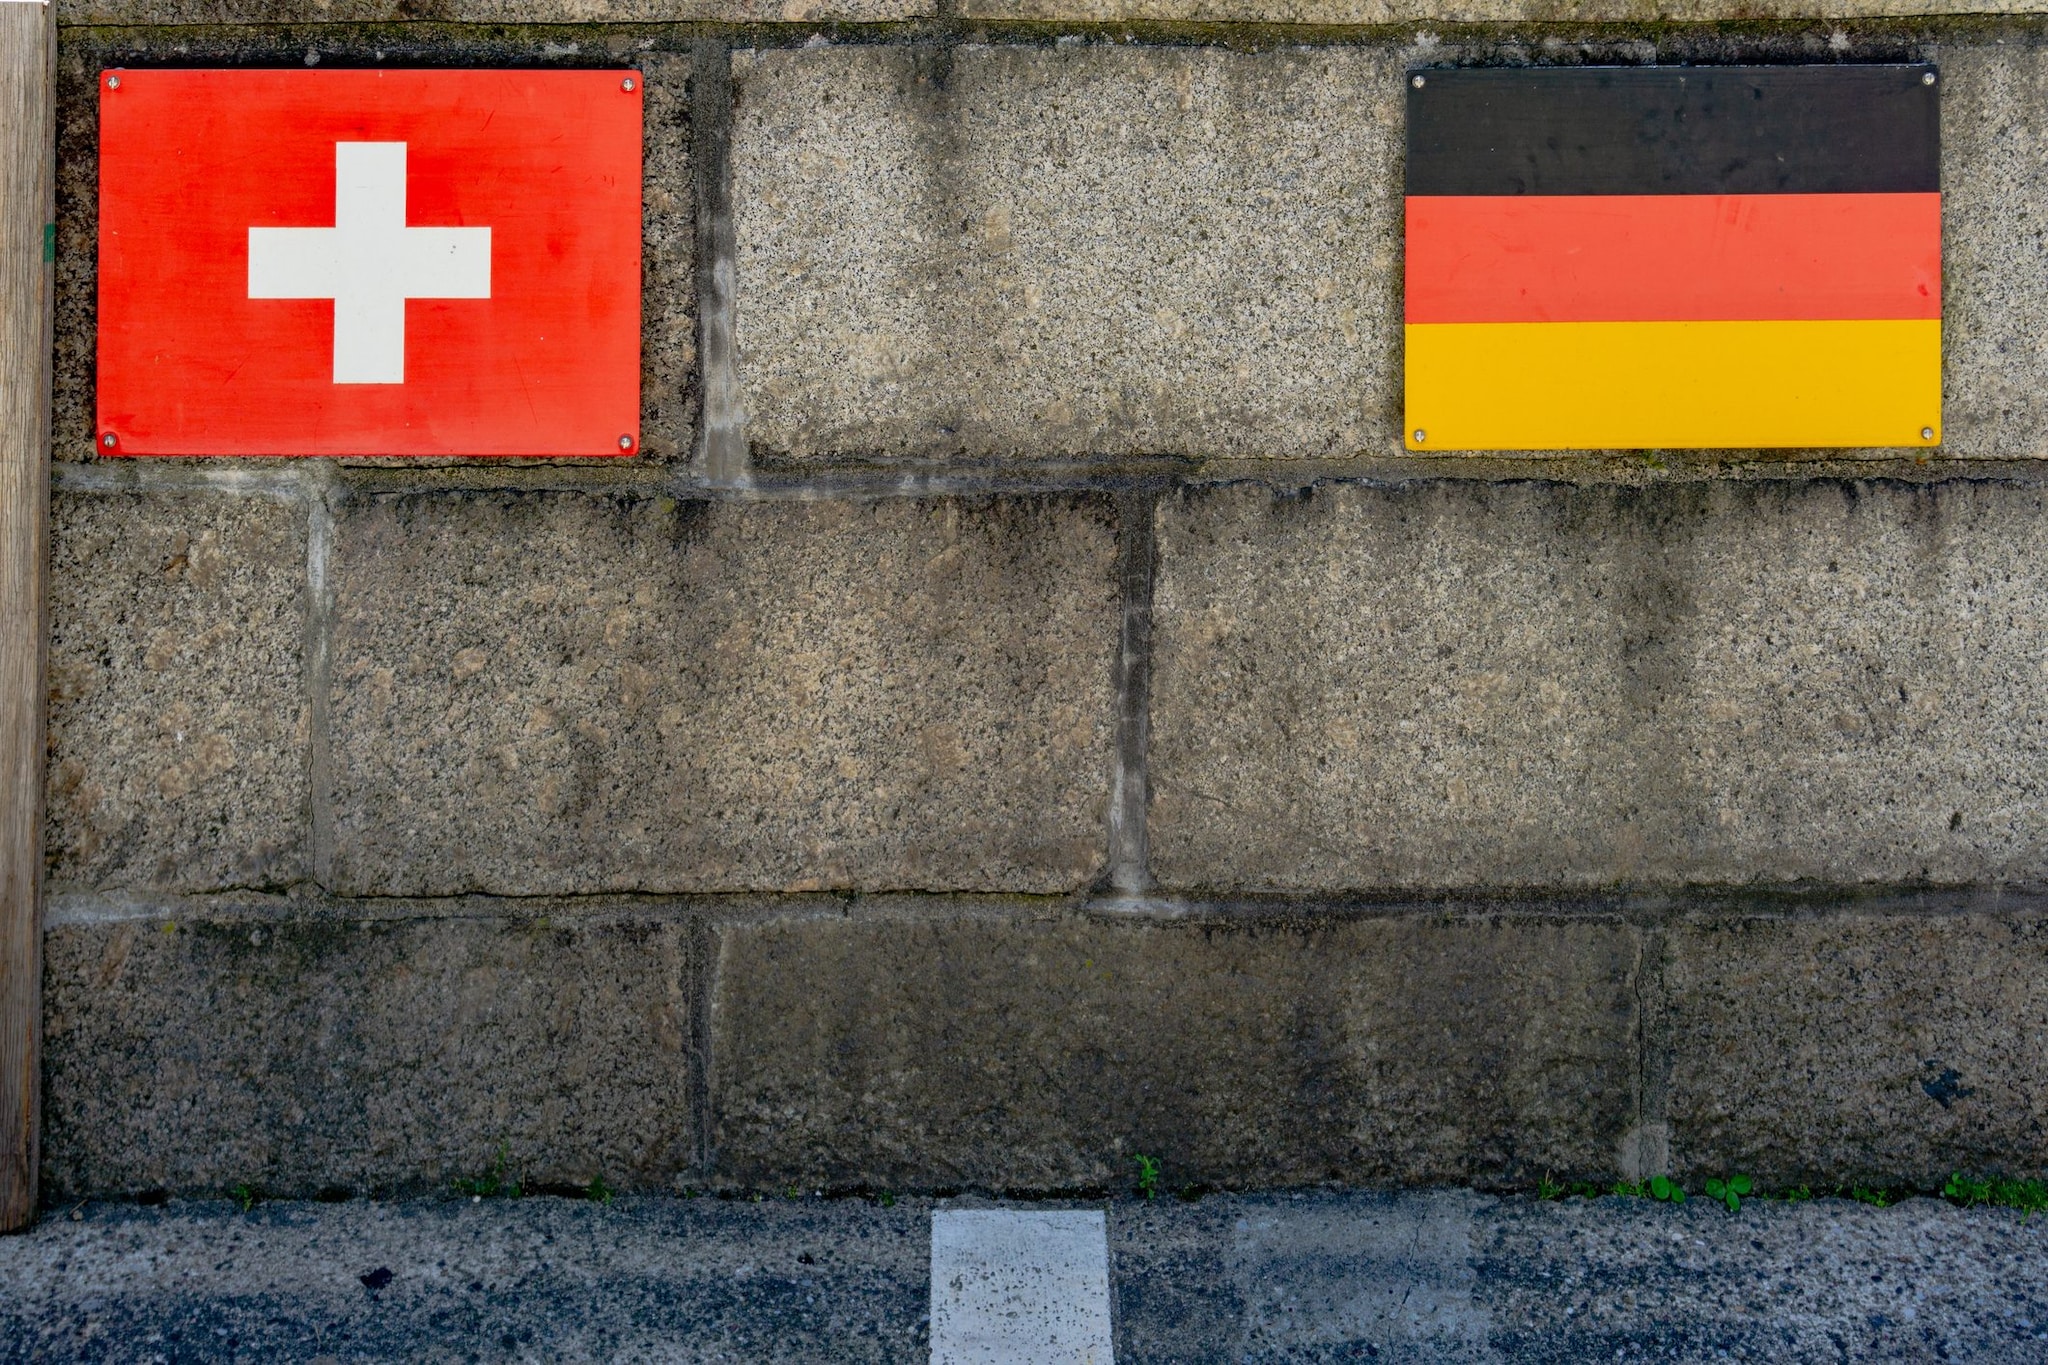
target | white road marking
[
  {"x": 1392, "y": 1272},
  {"x": 1018, "y": 1287},
  {"x": 369, "y": 263}
]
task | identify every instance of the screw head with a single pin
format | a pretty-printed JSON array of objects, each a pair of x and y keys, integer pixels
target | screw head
[
  {"x": 113, "y": 82},
  {"x": 625, "y": 443},
  {"x": 627, "y": 85},
  {"x": 1927, "y": 78},
  {"x": 108, "y": 441},
  {"x": 1927, "y": 433},
  {"x": 1420, "y": 435},
  {"x": 1415, "y": 81}
]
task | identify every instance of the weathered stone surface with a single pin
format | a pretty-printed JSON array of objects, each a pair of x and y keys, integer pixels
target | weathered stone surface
[
  {"x": 1442, "y": 683},
  {"x": 1857, "y": 1046},
  {"x": 998, "y": 1048},
  {"x": 668, "y": 262},
  {"x": 486, "y": 11},
  {"x": 177, "y": 693},
  {"x": 75, "y": 340},
  {"x": 1994, "y": 250},
  {"x": 999, "y": 251},
  {"x": 668, "y": 300},
  {"x": 568, "y": 693},
  {"x": 303, "y": 1054},
  {"x": 1474, "y": 11}
]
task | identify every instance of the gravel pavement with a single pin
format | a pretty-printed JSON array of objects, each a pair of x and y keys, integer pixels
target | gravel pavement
[{"x": 1443, "y": 1275}]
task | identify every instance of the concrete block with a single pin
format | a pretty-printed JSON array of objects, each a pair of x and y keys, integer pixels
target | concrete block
[
  {"x": 1463, "y": 684},
  {"x": 1467, "y": 11},
  {"x": 1857, "y": 1045},
  {"x": 1005, "y": 1047},
  {"x": 1029, "y": 251},
  {"x": 301, "y": 1054},
  {"x": 488, "y": 11},
  {"x": 1087, "y": 250},
  {"x": 178, "y": 713},
  {"x": 565, "y": 693},
  {"x": 1114, "y": 250},
  {"x": 75, "y": 338},
  {"x": 1994, "y": 250},
  {"x": 668, "y": 262},
  {"x": 668, "y": 343}
]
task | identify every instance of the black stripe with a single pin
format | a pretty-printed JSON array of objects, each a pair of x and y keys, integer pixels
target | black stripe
[{"x": 1675, "y": 130}]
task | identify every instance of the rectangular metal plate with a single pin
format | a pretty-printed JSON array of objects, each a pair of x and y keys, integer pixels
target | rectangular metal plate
[
  {"x": 1672, "y": 257},
  {"x": 369, "y": 262}
]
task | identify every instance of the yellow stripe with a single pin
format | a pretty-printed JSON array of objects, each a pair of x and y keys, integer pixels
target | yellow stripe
[{"x": 1637, "y": 385}]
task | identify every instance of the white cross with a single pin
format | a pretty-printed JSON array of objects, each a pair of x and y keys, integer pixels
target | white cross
[{"x": 369, "y": 263}]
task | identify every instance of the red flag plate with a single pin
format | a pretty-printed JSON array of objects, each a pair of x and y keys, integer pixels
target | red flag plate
[{"x": 369, "y": 263}]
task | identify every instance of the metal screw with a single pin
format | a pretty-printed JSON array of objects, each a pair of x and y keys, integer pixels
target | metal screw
[
  {"x": 113, "y": 82},
  {"x": 627, "y": 85},
  {"x": 625, "y": 443},
  {"x": 108, "y": 441},
  {"x": 1927, "y": 433},
  {"x": 1927, "y": 78},
  {"x": 1416, "y": 82},
  {"x": 1420, "y": 435}
]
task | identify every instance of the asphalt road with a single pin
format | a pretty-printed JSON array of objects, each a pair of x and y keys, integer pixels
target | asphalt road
[{"x": 1422, "y": 1276}]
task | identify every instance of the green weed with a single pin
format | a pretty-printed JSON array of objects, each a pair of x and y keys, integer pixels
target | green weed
[
  {"x": 1658, "y": 1187},
  {"x": 1730, "y": 1191},
  {"x": 599, "y": 1192},
  {"x": 493, "y": 1182},
  {"x": 246, "y": 1196},
  {"x": 2028, "y": 1196},
  {"x": 1148, "y": 1175}
]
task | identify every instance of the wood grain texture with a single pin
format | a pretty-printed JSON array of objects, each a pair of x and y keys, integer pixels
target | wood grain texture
[{"x": 27, "y": 199}]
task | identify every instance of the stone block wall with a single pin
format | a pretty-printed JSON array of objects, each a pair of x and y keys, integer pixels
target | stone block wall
[{"x": 1023, "y": 708}]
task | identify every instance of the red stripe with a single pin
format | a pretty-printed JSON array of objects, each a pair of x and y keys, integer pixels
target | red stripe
[{"x": 1673, "y": 257}]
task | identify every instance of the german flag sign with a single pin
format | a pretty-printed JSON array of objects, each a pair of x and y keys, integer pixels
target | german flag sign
[{"x": 1608, "y": 257}]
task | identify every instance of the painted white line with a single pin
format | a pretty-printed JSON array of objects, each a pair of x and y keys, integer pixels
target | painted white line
[{"x": 1016, "y": 1287}]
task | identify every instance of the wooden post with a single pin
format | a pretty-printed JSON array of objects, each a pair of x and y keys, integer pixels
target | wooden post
[{"x": 27, "y": 249}]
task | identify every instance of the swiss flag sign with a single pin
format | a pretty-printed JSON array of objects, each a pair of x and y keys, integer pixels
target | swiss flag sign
[{"x": 369, "y": 263}]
